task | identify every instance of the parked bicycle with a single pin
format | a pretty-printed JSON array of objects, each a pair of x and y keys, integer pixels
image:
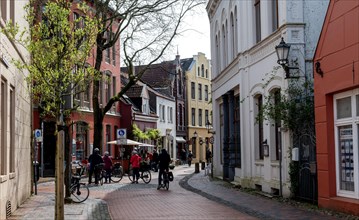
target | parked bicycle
[
  {"x": 116, "y": 174},
  {"x": 79, "y": 191},
  {"x": 145, "y": 173}
]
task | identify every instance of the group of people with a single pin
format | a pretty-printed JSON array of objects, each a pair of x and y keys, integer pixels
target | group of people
[
  {"x": 95, "y": 160},
  {"x": 161, "y": 161}
]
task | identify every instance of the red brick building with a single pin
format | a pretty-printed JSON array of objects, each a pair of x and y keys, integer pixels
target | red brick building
[
  {"x": 82, "y": 120},
  {"x": 336, "y": 88}
]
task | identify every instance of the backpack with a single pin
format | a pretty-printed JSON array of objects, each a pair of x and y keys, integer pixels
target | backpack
[{"x": 170, "y": 176}]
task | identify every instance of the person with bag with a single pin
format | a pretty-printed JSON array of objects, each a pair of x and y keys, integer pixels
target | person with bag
[
  {"x": 94, "y": 160},
  {"x": 189, "y": 158},
  {"x": 164, "y": 160}
]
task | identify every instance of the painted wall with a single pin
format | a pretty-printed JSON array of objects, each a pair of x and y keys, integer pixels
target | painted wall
[
  {"x": 251, "y": 70},
  {"x": 338, "y": 55},
  {"x": 15, "y": 185}
]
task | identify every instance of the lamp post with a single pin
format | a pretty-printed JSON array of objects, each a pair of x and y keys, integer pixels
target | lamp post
[
  {"x": 282, "y": 50},
  {"x": 210, "y": 131}
]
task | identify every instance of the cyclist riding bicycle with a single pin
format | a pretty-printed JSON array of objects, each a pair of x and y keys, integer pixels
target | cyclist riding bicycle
[{"x": 164, "y": 160}]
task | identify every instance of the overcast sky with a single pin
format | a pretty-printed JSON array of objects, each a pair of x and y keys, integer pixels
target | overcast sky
[{"x": 196, "y": 38}]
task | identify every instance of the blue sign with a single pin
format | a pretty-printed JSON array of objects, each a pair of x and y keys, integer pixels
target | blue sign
[{"x": 121, "y": 133}]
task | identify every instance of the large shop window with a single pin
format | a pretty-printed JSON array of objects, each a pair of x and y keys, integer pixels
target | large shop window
[{"x": 347, "y": 132}]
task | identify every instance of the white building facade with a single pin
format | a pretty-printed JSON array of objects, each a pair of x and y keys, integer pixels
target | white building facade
[
  {"x": 245, "y": 71},
  {"x": 15, "y": 117},
  {"x": 166, "y": 108}
]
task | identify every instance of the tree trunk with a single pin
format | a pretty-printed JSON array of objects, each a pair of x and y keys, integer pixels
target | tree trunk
[
  {"x": 59, "y": 175},
  {"x": 68, "y": 162},
  {"x": 97, "y": 111}
]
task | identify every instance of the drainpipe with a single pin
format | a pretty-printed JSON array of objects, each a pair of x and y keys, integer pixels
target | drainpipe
[{"x": 280, "y": 168}]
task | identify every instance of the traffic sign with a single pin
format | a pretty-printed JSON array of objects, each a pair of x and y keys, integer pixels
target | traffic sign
[
  {"x": 121, "y": 133},
  {"x": 122, "y": 141},
  {"x": 38, "y": 135},
  {"x": 211, "y": 140}
]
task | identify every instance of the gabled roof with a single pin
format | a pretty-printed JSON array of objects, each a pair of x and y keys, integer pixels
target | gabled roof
[{"x": 186, "y": 63}]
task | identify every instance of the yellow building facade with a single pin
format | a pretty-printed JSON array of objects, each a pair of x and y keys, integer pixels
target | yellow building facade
[{"x": 199, "y": 106}]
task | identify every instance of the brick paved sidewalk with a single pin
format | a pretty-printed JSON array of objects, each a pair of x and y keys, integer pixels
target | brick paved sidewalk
[
  {"x": 261, "y": 207},
  {"x": 42, "y": 206}
]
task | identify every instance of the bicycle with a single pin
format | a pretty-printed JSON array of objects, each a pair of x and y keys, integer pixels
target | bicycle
[
  {"x": 79, "y": 191},
  {"x": 116, "y": 174},
  {"x": 145, "y": 174},
  {"x": 165, "y": 181}
]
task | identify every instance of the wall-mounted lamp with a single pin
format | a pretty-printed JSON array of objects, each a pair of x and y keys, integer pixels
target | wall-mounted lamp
[
  {"x": 282, "y": 51},
  {"x": 265, "y": 148},
  {"x": 209, "y": 128},
  {"x": 318, "y": 69},
  {"x": 195, "y": 135}
]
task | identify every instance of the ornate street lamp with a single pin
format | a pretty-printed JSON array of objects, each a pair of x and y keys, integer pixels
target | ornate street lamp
[{"x": 282, "y": 50}]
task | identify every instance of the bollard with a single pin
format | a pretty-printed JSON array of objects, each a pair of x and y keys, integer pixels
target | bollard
[
  {"x": 196, "y": 167},
  {"x": 203, "y": 165}
]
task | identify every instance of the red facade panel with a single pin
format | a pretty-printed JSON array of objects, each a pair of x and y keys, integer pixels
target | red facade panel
[{"x": 338, "y": 55}]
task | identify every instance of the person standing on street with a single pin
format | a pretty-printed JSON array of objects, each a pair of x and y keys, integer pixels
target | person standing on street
[
  {"x": 154, "y": 161},
  {"x": 164, "y": 160},
  {"x": 208, "y": 156},
  {"x": 108, "y": 166},
  {"x": 94, "y": 159},
  {"x": 189, "y": 158},
  {"x": 135, "y": 161}
]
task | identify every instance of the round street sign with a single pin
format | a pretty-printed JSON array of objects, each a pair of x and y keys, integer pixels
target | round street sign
[
  {"x": 121, "y": 133},
  {"x": 201, "y": 142},
  {"x": 211, "y": 140}
]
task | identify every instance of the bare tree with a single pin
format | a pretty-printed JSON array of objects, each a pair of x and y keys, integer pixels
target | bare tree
[{"x": 145, "y": 28}]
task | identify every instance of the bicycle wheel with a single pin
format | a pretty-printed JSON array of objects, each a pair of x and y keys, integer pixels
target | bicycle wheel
[
  {"x": 80, "y": 193},
  {"x": 146, "y": 176},
  {"x": 101, "y": 176},
  {"x": 116, "y": 175},
  {"x": 130, "y": 172}
]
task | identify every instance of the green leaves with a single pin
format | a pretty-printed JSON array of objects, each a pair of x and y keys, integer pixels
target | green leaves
[{"x": 59, "y": 51}]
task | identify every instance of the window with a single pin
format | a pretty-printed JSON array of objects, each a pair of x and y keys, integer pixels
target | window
[
  {"x": 108, "y": 138},
  {"x": 180, "y": 124},
  {"x": 193, "y": 90},
  {"x": 259, "y": 127},
  {"x": 114, "y": 53},
  {"x": 12, "y": 11},
  {"x": 100, "y": 98},
  {"x": 206, "y": 118},
  {"x": 199, "y": 117},
  {"x": 274, "y": 7},
  {"x": 12, "y": 130},
  {"x": 202, "y": 70},
  {"x": 3, "y": 9},
  {"x": 169, "y": 114},
  {"x": 218, "y": 66},
  {"x": 237, "y": 132},
  {"x": 107, "y": 85},
  {"x": 198, "y": 72},
  {"x": 206, "y": 92},
  {"x": 346, "y": 134},
  {"x": 193, "y": 116},
  {"x": 232, "y": 36},
  {"x": 3, "y": 121},
  {"x": 207, "y": 73},
  {"x": 257, "y": 9},
  {"x": 194, "y": 147},
  {"x": 162, "y": 113},
  {"x": 108, "y": 50},
  {"x": 199, "y": 91}
]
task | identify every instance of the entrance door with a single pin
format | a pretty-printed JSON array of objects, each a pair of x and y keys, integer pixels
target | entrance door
[{"x": 49, "y": 149}]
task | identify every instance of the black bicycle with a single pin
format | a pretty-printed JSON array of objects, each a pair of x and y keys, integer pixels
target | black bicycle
[
  {"x": 145, "y": 173},
  {"x": 79, "y": 191},
  {"x": 116, "y": 173},
  {"x": 165, "y": 181}
]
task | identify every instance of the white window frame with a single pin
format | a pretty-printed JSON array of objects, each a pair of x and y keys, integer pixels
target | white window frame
[{"x": 354, "y": 122}]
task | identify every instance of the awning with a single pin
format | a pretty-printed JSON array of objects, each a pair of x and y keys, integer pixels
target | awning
[
  {"x": 128, "y": 142},
  {"x": 180, "y": 140}
]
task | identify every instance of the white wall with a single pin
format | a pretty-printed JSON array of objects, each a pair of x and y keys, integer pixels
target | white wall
[{"x": 16, "y": 186}]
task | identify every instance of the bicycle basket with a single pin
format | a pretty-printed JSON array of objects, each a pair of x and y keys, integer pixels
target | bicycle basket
[{"x": 170, "y": 176}]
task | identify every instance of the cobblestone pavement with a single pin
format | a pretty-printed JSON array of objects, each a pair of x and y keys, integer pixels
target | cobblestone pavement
[{"x": 191, "y": 196}]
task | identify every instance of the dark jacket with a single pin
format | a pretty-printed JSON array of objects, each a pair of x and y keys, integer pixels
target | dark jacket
[
  {"x": 164, "y": 160},
  {"x": 95, "y": 159}
]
